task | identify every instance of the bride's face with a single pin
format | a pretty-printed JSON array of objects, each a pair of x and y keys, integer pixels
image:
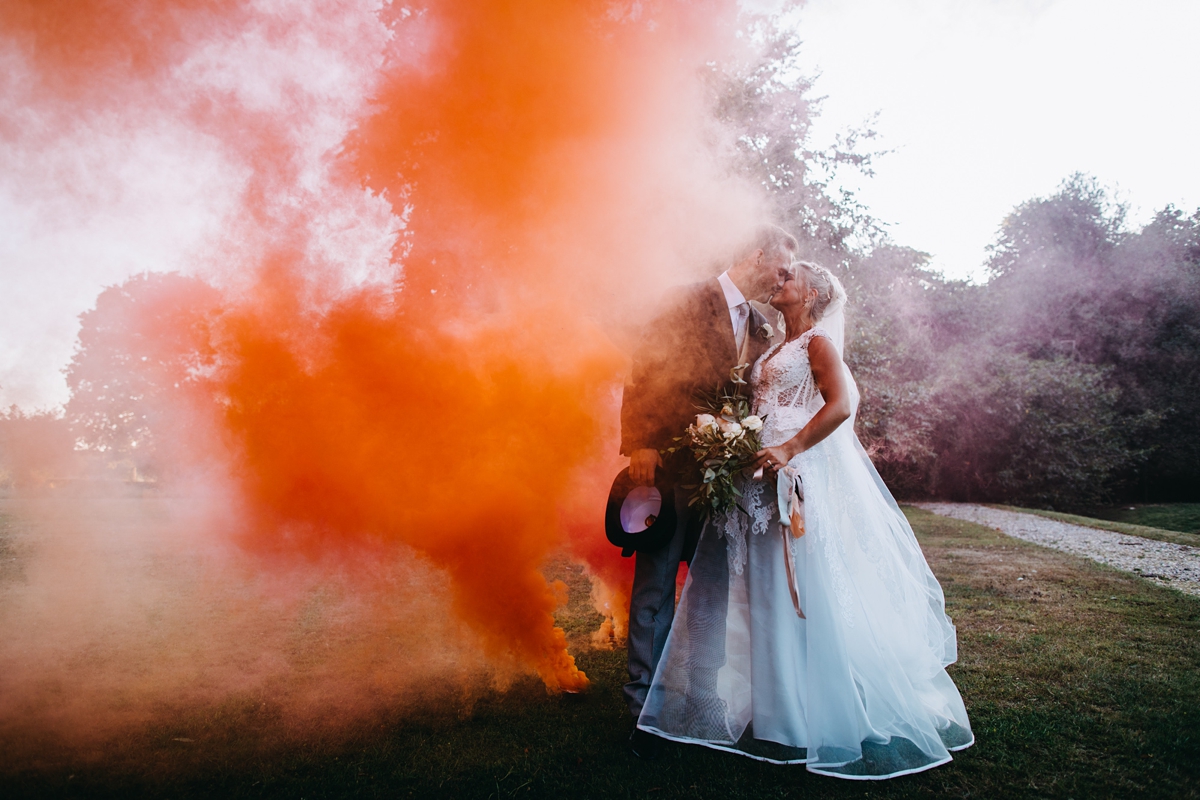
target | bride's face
[
  {"x": 789, "y": 294},
  {"x": 794, "y": 293}
]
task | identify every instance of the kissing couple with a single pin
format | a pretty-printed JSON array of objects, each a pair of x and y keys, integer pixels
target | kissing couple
[{"x": 821, "y": 639}]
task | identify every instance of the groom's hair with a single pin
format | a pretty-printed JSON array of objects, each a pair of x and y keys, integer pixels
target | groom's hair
[{"x": 772, "y": 240}]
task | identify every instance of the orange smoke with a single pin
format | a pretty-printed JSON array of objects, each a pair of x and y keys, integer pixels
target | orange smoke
[
  {"x": 546, "y": 180},
  {"x": 456, "y": 421},
  {"x": 366, "y": 424}
]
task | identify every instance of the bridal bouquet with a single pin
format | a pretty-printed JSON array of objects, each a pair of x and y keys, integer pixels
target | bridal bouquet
[{"x": 723, "y": 442}]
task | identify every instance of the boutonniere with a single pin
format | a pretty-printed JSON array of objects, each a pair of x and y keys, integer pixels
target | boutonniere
[{"x": 765, "y": 330}]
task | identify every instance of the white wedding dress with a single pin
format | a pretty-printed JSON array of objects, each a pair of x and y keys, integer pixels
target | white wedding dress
[{"x": 858, "y": 688}]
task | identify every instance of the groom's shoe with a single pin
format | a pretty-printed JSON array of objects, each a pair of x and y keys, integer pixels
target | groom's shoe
[{"x": 645, "y": 745}]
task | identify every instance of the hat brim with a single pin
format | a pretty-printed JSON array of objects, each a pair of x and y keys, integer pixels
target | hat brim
[{"x": 658, "y": 533}]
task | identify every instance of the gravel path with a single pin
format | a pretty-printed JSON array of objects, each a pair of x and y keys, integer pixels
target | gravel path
[{"x": 1174, "y": 565}]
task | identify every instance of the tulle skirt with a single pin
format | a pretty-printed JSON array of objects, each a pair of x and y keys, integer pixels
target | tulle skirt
[{"x": 855, "y": 689}]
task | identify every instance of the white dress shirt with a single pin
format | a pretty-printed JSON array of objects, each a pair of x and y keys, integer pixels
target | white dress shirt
[{"x": 739, "y": 306}]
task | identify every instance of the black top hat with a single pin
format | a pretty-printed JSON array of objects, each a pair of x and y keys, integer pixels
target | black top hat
[{"x": 640, "y": 517}]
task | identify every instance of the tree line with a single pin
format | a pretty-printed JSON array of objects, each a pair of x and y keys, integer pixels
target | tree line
[{"x": 1070, "y": 377}]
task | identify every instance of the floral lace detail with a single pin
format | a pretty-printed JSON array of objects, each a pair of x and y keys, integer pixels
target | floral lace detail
[
  {"x": 786, "y": 396},
  {"x": 785, "y": 393},
  {"x": 738, "y": 525},
  {"x": 734, "y": 531}
]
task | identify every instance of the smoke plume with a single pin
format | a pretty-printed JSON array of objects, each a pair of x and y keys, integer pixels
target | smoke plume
[{"x": 436, "y": 230}]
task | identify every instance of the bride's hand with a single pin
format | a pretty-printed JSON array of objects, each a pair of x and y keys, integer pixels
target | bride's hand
[{"x": 770, "y": 459}]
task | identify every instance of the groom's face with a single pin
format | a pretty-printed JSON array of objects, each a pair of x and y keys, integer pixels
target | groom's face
[{"x": 769, "y": 273}]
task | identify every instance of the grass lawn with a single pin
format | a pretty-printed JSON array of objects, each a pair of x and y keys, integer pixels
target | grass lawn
[
  {"x": 1182, "y": 517},
  {"x": 1145, "y": 530},
  {"x": 1081, "y": 682}
]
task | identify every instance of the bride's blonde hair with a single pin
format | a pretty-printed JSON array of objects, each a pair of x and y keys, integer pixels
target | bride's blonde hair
[{"x": 817, "y": 277}]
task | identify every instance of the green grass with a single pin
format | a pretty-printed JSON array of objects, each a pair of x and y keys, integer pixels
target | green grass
[
  {"x": 1144, "y": 531},
  {"x": 1081, "y": 682},
  {"x": 1181, "y": 517}
]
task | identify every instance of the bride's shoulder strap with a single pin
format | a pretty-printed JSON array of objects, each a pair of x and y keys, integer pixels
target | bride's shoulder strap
[{"x": 816, "y": 330}]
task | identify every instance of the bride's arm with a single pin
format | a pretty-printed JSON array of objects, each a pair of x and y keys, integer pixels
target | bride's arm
[{"x": 830, "y": 378}]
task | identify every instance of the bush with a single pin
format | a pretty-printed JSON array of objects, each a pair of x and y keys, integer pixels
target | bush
[{"x": 1012, "y": 428}]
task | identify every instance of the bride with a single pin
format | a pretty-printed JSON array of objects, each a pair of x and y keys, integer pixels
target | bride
[{"x": 823, "y": 642}]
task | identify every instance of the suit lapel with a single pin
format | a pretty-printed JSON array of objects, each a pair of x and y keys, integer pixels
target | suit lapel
[
  {"x": 758, "y": 344},
  {"x": 723, "y": 348}
]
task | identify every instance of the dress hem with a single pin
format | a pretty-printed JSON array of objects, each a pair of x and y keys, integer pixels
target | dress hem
[{"x": 807, "y": 764}]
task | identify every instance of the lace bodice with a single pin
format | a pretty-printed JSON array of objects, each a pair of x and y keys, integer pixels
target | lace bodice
[
  {"x": 786, "y": 396},
  {"x": 784, "y": 390}
]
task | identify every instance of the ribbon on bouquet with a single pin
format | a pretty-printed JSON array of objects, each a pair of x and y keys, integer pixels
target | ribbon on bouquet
[{"x": 790, "y": 494}]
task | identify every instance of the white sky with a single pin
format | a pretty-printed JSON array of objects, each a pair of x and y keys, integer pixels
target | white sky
[{"x": 988, "y": 103}]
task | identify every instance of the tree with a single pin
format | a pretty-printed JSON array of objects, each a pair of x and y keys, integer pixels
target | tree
[
  {"x": 767, "y": 102},
  {"x": 1009, "y": 427},
  {"x": 1152, "y": 342},
  {"x": 139, "y": 367},
  {"x": 1072, "y": 280}
]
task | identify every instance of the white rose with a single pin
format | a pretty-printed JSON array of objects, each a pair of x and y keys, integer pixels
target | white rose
[
  {"x": 752, "y": 423},
  {"x": 733, "y": 431},
  {"x": 705, "y": 420}
]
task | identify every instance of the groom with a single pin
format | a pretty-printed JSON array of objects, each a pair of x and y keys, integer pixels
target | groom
[{"x": 703, "y": 331}]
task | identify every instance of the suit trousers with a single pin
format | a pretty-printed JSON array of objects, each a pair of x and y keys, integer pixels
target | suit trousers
[{"x": 652, "y": 601}]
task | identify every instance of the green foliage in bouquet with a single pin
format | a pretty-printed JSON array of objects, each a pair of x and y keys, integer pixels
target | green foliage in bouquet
[{"x": 723, "y": 441}]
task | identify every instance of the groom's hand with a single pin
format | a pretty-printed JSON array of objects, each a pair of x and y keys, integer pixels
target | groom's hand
[{"x": 642, "y": 464}]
